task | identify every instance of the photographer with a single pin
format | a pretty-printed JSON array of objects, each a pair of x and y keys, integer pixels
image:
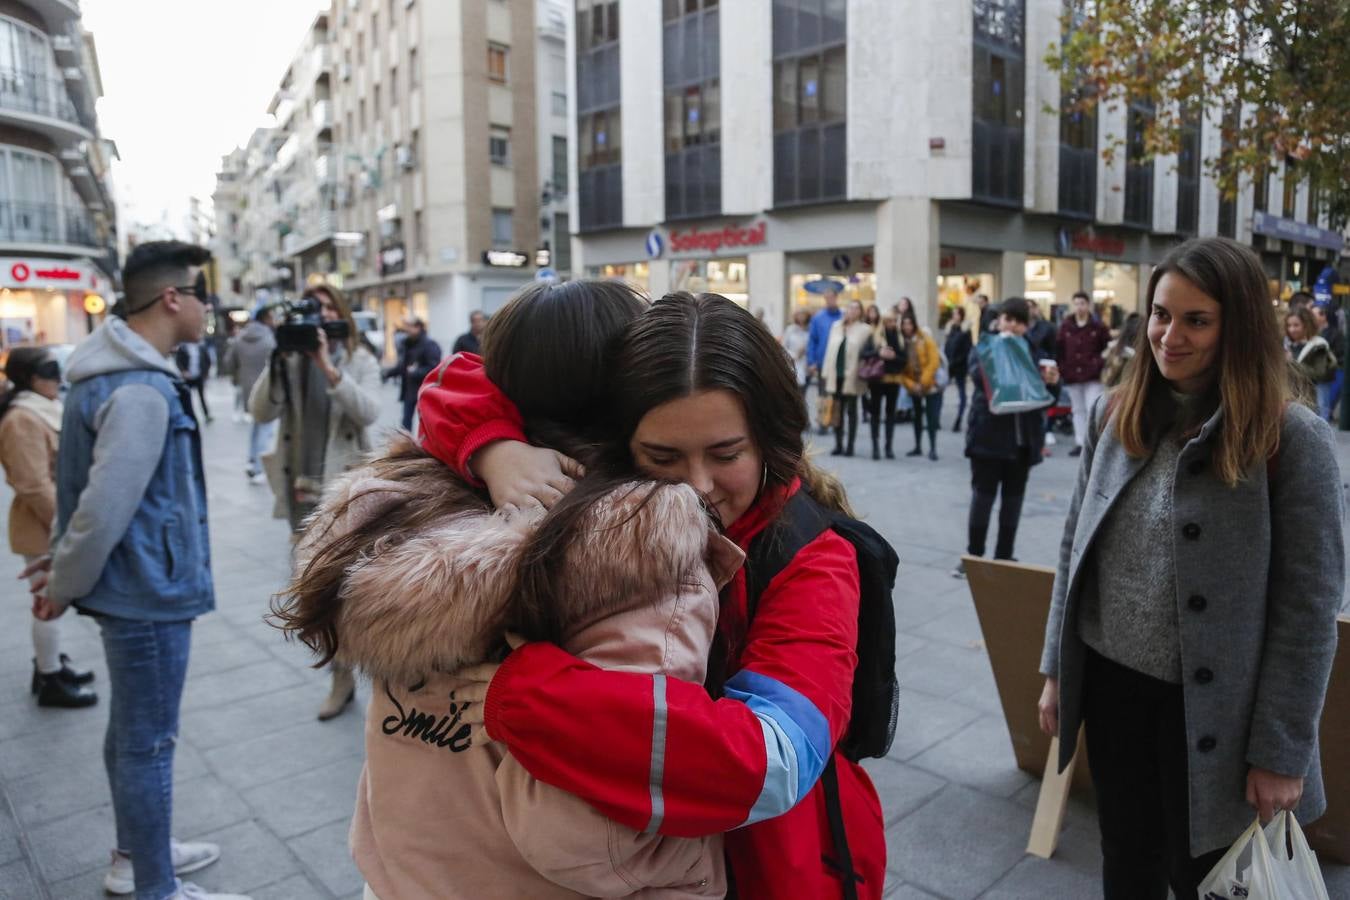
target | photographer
[{"x": 323, "y": 384}]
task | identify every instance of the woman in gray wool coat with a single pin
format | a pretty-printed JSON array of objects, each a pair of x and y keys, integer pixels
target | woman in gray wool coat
[{"x": 1192, "y": 627}]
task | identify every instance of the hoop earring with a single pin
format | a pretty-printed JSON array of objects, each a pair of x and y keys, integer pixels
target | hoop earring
[{"x": 764, "y": 478}]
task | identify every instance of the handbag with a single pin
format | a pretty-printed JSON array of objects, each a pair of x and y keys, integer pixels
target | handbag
[
  {"x": 871, "y": 368},
  {"x": 827, "y": 411},
  {"x": 1012, "y": 383}
]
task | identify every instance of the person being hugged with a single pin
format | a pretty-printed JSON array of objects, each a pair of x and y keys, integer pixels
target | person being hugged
[{"x": 1193, "y": 619}]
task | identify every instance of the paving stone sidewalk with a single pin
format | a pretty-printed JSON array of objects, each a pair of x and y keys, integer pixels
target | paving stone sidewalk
[{"x": 256, "y": 773}]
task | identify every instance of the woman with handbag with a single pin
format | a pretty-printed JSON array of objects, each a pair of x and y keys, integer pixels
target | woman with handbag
[
  {"x": 843, "y": 353},
  {"x": 882, "y": 367},
  {"x": 1193, "y": 619},
  {"x": 922, "y": 361}
]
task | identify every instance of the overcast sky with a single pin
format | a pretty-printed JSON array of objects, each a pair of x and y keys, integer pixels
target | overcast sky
[{"x": 184, "y": 82}]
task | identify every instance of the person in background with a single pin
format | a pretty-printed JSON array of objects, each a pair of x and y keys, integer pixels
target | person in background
[
  {"x": 1119, "y": 355},
  {"x": 30, "y": 427},
  {"x": 326, "y": 400},
  {"x": 872, "y": 318},
  {"x": 1329, "y": 393},
  {"x": 249, "y": 353},
  {"x": 819, "y": 339},
  {"x": 885, "y": 342},
  {"x": 1300, "y": 300},
  {"x": 1044, "y": 340},
  {"x": 795, "y": 338},
  {"x": 132, "y": 548},
  {"x": 194, "y": 362},
  {"x": 1192, "y": 625},
  {"x": 419, "y": 355},
  {"x": 922, "y": 362},
  {"x": 1082, "y": 339},
  {"x": 1002, "y": 448},
  {"x": 229, "y": 367},
  {"x": 988, "y": 315},
  {"x": 957, "y": 349},
  {"x": 470, "y": 341},
  {"x": 1307, "y": 349},
  {"x": 848, "y": 336}
]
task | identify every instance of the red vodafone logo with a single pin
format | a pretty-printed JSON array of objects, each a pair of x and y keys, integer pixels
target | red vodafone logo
[{"x": 20, "y": 272}]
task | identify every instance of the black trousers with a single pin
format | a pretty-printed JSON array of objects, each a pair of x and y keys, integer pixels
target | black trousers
[
  {"x": 846, "y": 417},
  {"x": 878, "y": 391},
  {"x": 988, "y": 479},
  {"x": 199, "y": 385},
  {"x": 409, "y": 407},
  {"x": 1136, "y": 742}
]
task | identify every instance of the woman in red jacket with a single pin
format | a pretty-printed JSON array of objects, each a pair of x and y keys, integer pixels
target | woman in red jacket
[{"x": 706, "y": 397}]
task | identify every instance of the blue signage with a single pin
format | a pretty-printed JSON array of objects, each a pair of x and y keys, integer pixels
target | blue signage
[
  {"x": 1297, "y": 232},
  {"x": 655, "y": 244},
  {"x": 841, "y": 262}
]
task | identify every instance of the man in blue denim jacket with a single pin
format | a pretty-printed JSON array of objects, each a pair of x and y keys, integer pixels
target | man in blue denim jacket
[{"x": 131, "y": 547}]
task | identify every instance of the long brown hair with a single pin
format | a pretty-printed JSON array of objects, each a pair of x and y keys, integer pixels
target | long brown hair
[
  {"x": 1253, "y": 386},
  {"x": 685, "y": 344},
  {"x": 354, "y": 336}
]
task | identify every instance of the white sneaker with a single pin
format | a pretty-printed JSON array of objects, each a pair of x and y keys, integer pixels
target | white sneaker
[
  {"x": 1050, "y": 439},
  {"x": 258, "y": 478},
  {"x": 121, "y": 878},
  {"x": 189, "y": 891}
]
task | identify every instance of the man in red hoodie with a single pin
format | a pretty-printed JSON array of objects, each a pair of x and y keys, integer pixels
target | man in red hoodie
[{"x": 1083, "y": 339}]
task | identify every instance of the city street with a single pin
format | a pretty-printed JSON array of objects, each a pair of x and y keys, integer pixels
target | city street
[{"x": 259, "y": 775}]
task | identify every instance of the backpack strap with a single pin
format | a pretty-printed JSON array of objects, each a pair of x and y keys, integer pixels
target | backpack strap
[
  {"x": 801, "y": 521},
  {"x": 835, "y": 813}
]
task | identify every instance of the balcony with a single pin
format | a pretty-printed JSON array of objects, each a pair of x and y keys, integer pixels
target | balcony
[
  {"x": 40, "y": 103},
  {"x": 314, "y": 230},
  {"x": 323, "y": 115},
  {"x": 56, "y": 13},
  {"x": 45, "y": 223}
]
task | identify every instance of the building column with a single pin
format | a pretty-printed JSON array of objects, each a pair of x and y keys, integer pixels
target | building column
[
  {"x": 1012, "y": 275},
  {"x": 906, "y": 254},
  {"x": 1087, "y": 277},
  {"x": 769, "y": 287},
  {"x": 1112, "y": 121},
  {"x": 658, "y": 278}
]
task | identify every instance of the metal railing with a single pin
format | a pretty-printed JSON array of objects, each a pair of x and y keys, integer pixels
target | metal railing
[
  {"x": 39, "y": 95},
  {"x": 45, "y": 223}
]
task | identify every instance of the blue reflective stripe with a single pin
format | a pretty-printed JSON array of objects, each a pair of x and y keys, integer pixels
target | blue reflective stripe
[
  {"x": 658, "y": 766},
  {"x": 796, "y": 741}
]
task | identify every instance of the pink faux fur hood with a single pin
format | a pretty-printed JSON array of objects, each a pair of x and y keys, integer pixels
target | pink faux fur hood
[{"x": 431, "y": 603}]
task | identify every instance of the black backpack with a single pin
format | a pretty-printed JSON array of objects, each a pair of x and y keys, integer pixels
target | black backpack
[{"x": 876, "y": 698}]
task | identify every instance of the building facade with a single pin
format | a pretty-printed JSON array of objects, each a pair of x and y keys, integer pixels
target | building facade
[
  {"x": 58, "y": 228},
  {"x": 896, "y": 147}
]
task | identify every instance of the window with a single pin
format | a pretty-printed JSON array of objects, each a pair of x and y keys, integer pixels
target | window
[
  {"x": 393, "y": 86},
  {"x": 810, "y": 101},
  {"x": 599, "y": 132},
  {"x": 419, "y": 232},
  {"x": 374, "y": 30},
  {"x": 1138, "y": 167},
  {"x": 1078, "y": 144},
  {"x": 496, "y": 63},
  {"x": 503, "y": 232},
  {"x": 999, "y": 78},
  {"x": 1289, "y": 208},
  {"x": 414, "y": 75},
  {"x": 1188, "y": 174},
  {"x": 360, "y": 48},
  {"x": 693, "y": 121},
  {"x": 562, "y": 242},
  {"x": 376, "y": 107},
  {"x": 1261, "y": 189},
  {"x": 362, "y": 117},
  {"x": 560, "y": 165},
  {"x": 559, "y": 103},
  {"x": 499, "y": 146},
  {"x": 597, "y": 23},
  {"x": 1228, "y": 201}
]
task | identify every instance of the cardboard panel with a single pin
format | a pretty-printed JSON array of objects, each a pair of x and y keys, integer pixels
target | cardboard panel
[
  {"x": 1330, "y": 835},
  {"x": 1012, "y": 601}
]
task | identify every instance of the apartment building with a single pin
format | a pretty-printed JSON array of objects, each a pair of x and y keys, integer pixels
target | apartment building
[
  {"x": 897, "y": 147},
  {"x": 447, "y": 202},
  {"x": 58, "y": 256}
]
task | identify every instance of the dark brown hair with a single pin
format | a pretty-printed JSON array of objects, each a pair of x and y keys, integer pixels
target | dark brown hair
[
  {"x": 686, "y": 344},
  {"x": 1253, "y": 385},
  {"x": 1305, "y": 318}
]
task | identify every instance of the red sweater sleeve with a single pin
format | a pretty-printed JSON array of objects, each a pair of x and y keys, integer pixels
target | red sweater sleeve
[
  {"x": 460, "y": 410},
  {"x": 657, "y": 754}
]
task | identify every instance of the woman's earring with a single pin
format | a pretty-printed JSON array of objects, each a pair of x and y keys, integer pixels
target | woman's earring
[{"x": 764, "y": 478}]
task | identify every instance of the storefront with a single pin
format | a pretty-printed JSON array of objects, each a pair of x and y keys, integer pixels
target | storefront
[
  {"x": 852, "y": 269},
  {"x": 50, "y": 301},
  {"x": 637, "y": 274}
]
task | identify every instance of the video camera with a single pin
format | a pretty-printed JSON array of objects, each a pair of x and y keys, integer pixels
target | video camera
[{"x": 298, "y": 330}]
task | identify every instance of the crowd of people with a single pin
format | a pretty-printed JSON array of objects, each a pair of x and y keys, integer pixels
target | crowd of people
[{"x": 576, "y": 545}]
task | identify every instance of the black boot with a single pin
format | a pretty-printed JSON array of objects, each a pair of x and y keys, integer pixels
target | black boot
[
  {"x": 876, "y": 448},
  {"x": 932, "y": 446},
  {"x": 890, "y": 454},
  {"x": 53, "y": 690},
  {"x": 917, "y": 451},
  {"x": 66, "y": 674}
]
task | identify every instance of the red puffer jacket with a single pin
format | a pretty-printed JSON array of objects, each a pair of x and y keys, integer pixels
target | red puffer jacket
[
  {"x": 659, "y": 754},
  {"x": 1079, "y": 349}
]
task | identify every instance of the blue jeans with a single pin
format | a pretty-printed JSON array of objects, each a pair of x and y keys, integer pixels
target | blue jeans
[
  {"x": 147, "y": 664},
  {"x": 258, "y": 440},
  {"x": 1328, "y": 394}
]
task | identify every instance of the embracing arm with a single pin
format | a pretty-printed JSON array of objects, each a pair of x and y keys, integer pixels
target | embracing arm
[
  {"x": 462, "y": 411},
  {"x": 722, "y": 764},
  {"x": 1306, "y": 581}
]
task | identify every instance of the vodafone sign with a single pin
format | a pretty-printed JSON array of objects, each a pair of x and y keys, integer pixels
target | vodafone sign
[{"x": 37, "y": 274}]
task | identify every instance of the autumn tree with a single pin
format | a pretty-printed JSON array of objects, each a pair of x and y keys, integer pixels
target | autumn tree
[{"x": 1274, "y": 73}]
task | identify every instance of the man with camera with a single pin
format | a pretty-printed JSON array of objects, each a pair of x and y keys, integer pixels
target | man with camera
[
  {"x": 131, "y": 548},
  {"x": 418, "y": 356},
  {"x": 322, "y": 383}
]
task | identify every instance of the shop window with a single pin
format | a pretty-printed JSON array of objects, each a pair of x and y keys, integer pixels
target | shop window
[
  {"x": 810, "y": 102},
  {"x": 599, "y": 156},
  {"x": 1138, "y": 167},
  {"x": 503, "y": 229},
  {"x": 496, "y": 63},
  {"x": 999, "y": 78},
  {"x": 1188, "y": 174}
]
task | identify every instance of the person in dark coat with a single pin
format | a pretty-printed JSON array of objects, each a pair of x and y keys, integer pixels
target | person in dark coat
[
  {"x": 1083, "y": 338},
  {"x": 1044, "y": 340},
  {"x": 194, "y": 363},
  {"x": 1002, "y": 448},
  {"x": 957, "y": 350},
  {"x": 471, "y": 340},
  {"x": 416, "y": 358}
]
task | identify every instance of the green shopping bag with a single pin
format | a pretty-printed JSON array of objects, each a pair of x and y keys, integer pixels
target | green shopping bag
[{"x": 1012, "y": 383}]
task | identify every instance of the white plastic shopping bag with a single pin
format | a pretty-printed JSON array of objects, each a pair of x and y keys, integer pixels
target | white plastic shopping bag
[
  {"x": 1297, "y": 873},
  {"x": 1246, "y": 872}
]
